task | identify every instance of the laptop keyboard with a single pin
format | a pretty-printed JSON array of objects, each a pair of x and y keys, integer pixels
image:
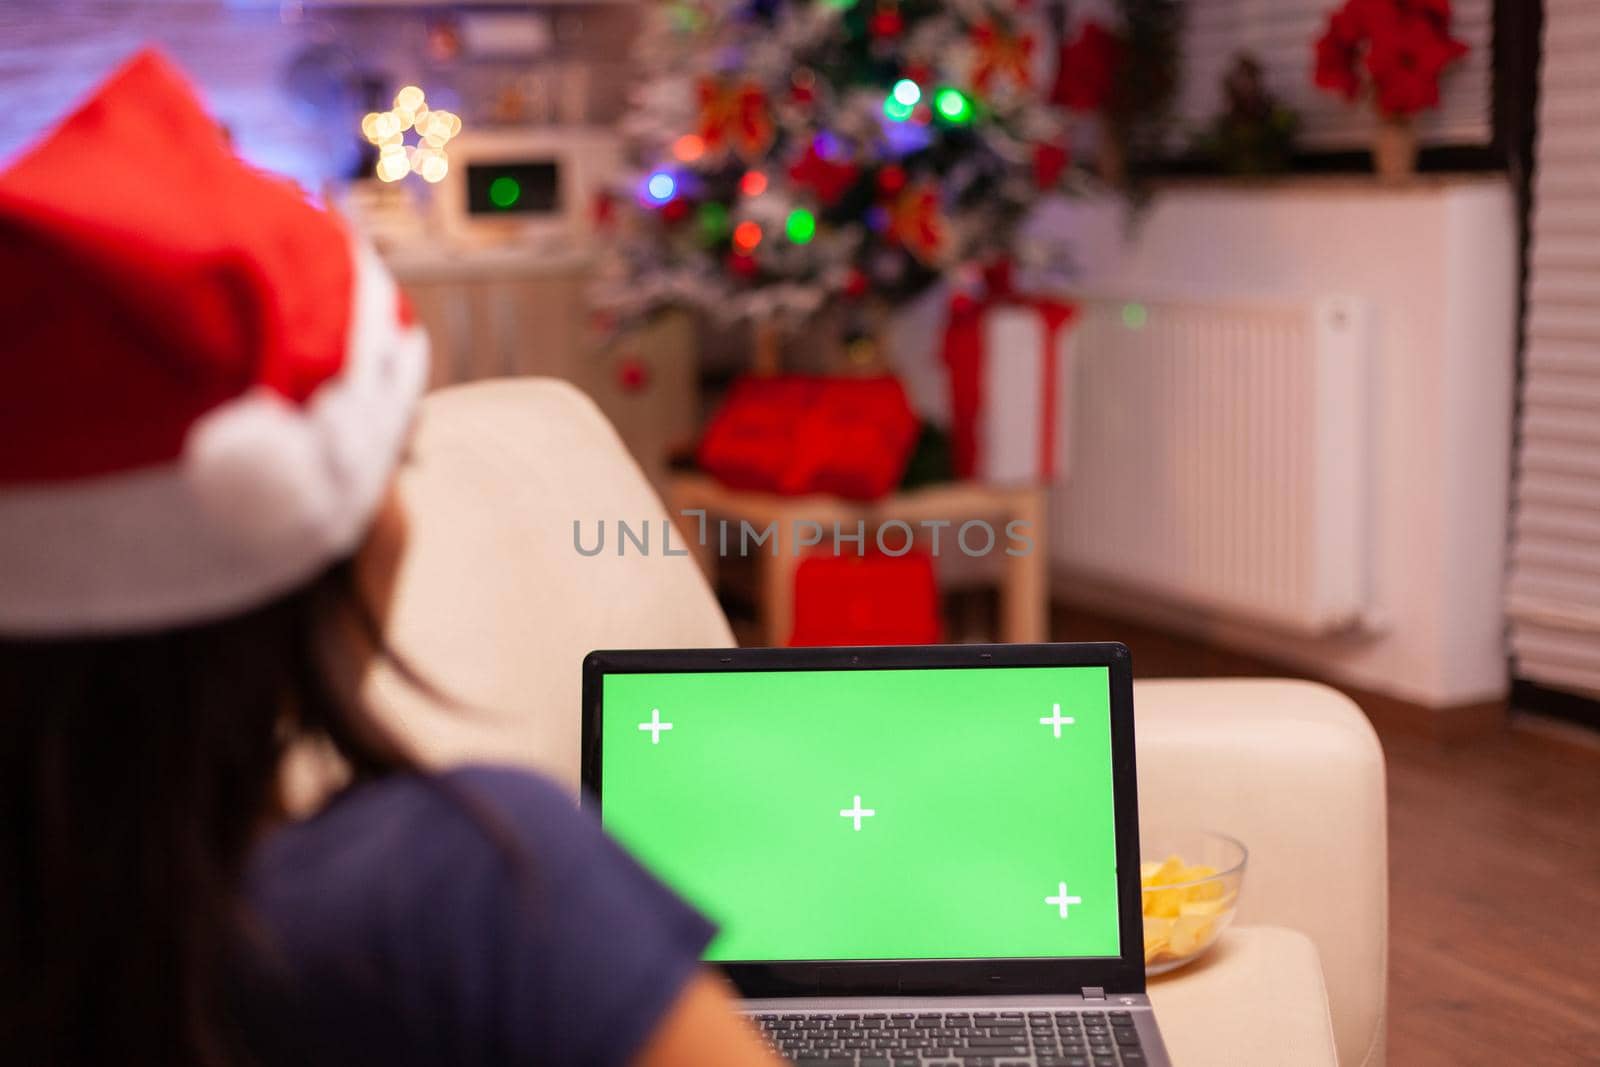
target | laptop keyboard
[{"x": 955, "y": 1039}]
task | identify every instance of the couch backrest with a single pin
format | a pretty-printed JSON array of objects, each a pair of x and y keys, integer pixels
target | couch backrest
[{"x": 494, "y": 605}]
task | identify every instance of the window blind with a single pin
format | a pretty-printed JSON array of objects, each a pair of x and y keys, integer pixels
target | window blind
[
  {"x": 1553, "y": 595},
  {"x": 1281, "y": 34}
]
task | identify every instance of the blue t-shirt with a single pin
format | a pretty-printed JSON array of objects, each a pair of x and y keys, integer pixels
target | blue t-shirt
[{"x": 473, "y": 917}]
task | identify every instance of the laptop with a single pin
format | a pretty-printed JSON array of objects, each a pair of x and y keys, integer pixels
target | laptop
[{"x": 914, "y": 855}]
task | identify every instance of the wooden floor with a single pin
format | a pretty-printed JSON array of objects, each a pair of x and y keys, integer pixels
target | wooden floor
[{"x": 1494, "y": 853}]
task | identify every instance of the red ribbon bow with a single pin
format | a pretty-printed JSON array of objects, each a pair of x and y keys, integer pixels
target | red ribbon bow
[
  {"x": 735, "y": 116},
  {"x": 1001, "y": 54}
]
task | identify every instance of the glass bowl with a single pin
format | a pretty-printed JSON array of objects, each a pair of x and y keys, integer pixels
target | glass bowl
[{"x": 1191, "y": 881}]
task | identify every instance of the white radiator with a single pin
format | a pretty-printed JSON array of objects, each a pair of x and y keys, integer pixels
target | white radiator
[{"x": 1219, "y": 457}]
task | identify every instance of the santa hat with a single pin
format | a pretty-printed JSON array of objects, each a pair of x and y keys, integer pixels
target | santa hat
[{"x": 205, "y": 381}]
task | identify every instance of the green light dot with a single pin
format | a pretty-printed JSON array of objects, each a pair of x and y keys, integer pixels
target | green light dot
[
  {"x": 713, "y": 222},
  {"x": 897, "y": 110},
  {"x": 1134, "y": 316},
  {"x": 801, "y": 226},
  {"x": 953, "y": 106},
  {"x": 504, "y": 192}
]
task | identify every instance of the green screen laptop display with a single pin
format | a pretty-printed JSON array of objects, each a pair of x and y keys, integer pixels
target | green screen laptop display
[{"x": 900, "y": 814}]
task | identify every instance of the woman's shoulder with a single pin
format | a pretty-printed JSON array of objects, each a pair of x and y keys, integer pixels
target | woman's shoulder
[
  {"x": 482, "y": 906},
  {"x": 425, "y": 840}
]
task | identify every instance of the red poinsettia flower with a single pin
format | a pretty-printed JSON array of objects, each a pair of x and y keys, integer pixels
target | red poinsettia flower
[
  {"x": 1337, "y": 51},
  {"x": 1436, "y": 10},
  {"x": 1086, "y": 73},
  {"x": 1406, "y": 60},
  {"x": 1402, "y": 45}
]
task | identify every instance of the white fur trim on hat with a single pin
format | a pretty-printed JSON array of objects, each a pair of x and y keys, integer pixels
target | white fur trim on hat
[{"x": 265, "y": 495}]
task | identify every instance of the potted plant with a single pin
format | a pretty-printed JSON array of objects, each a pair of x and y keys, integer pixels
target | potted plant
[{"x": 1395, "y": 50}]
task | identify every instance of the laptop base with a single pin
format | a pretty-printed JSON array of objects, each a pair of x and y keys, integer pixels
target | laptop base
[{"x": 1118, "y": 1030}]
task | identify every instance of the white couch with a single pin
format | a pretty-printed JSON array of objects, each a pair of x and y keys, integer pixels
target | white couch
[{"x": 496, "y": 608}]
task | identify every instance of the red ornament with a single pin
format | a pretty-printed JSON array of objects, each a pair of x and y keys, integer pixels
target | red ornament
[
  {"x": 1049, "y": 163},
  {"x": 803, "y": 87},
  {"x": 916, "y": 221},
  {"x": 891, "y": 179},
  {"x": 633, "y": 374},
  {"x": 1086, "y": 72},
  {"x": 675, "y": 210},
  {"x": 742, "y": 266},
  {"x": 603, "y": 210},
  {"x": 822, "y": 176},
  {"x": 856, "y": 284},
  {"x": 886, "y": 22}
]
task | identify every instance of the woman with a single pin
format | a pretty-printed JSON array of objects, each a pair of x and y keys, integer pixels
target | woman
[{"x": 204, "y": 393}]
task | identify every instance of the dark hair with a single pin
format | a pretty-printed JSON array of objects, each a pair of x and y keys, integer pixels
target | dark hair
[{"x": 136, "y": 772}]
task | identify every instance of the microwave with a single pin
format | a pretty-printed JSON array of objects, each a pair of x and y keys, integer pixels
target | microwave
[{"x": 525, "y": 185}]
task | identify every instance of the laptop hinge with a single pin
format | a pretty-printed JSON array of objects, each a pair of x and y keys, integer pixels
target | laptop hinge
[{"x": 1094, "y": 992}]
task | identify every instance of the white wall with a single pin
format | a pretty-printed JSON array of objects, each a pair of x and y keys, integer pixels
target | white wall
[{"x": 1437, "y": 261}]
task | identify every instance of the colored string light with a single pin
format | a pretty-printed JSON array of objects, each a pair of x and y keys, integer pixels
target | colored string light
[
  {"x": 953, "y": 106},
  {"x": 746, "y": 236},
  {"x": 801, "y": 226},
  {"x": 754, "y": 183},
  {"x": 689, "y": 147},
  {"x": 661, "y": 187}
]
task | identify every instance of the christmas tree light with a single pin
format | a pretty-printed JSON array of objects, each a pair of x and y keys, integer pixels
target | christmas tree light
[
  {"x": 746, "y": 236},
  {"x": 689, "y": 147},
  {"x": 661, "y": 187},
  {"x": 801, "y": 226},
  {"x": 754, "y": 183},
  {"x": 953, "y": 106},
  {"x": 713, "y": 221}
]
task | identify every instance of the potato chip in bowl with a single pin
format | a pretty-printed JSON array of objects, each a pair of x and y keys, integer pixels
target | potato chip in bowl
[{"x": 1190, "y": 893}]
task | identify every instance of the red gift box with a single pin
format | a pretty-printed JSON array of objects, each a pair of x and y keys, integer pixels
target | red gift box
[
  {"x": 793, "y": 434},
  {"x": 872, "y": 599}
]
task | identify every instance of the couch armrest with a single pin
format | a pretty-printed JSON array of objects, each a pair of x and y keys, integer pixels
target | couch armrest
[
  {"x": 1258, "y": 997},
  {"x": 1294, "y": 770}
]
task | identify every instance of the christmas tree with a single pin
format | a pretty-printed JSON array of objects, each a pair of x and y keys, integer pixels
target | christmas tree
[{"x": 792, "y": 151}]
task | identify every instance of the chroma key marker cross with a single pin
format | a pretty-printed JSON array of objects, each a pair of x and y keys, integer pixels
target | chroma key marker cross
[
  {"x": 1055, "y": 720},
  {"x": 857, "y": 813},
  {"x": 655, "y": 726}
]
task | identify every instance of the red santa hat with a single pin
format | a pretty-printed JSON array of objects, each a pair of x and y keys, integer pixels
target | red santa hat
[{"x": 205, "y": 381}]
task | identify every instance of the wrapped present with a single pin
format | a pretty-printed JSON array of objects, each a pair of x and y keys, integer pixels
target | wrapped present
[
  {"x": 793, "y": 435},
  {"x": 1009, "y": 362},
  {"x": 870, "y": 599}
]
